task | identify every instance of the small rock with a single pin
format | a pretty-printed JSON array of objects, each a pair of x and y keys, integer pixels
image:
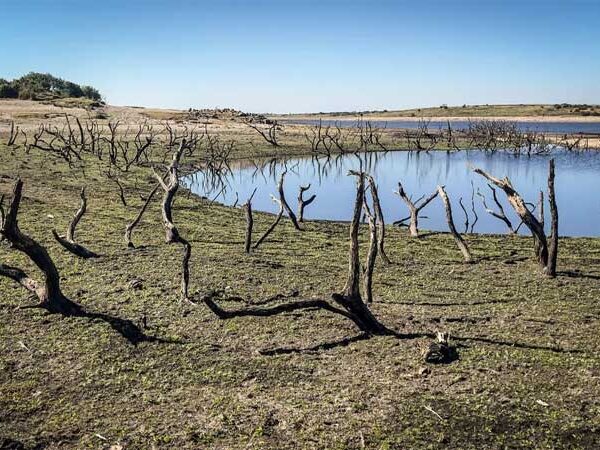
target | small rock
[{"x": 423, "y": 371}]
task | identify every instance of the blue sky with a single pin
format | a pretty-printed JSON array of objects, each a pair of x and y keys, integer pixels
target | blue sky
[{"x": 295, "y": 56}]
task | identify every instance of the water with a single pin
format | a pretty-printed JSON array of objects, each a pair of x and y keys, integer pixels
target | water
[
  {"x": 544, "y": 127},
  {"x": 577, "y": 186}
]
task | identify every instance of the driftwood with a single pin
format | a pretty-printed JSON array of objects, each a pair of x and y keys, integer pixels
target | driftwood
[
  {"x": 553, "y": 245},
  {"x": 130, "y": 226},
  {"x": 379, "y": 219},
  {"x": 302, "y": 203},
  {"x": 500, "y": 214},
  {"x": 49, "y": 292},
  {"x": 414, "y": 208},
  {"x": 462, "y": 245},
  {"x": 172, "y": 235},
  {"x": 68, "y": 242},
  {"x": 520, "y": 207}
]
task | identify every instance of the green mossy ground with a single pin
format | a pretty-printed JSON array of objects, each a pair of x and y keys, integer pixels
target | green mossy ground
[{"x": 301, "y": 380}]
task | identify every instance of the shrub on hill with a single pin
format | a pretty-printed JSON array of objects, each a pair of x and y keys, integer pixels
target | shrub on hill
[{"x": 43, "y": 86}]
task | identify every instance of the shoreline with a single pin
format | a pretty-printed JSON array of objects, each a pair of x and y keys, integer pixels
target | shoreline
[{"x": 533, "y": 119}]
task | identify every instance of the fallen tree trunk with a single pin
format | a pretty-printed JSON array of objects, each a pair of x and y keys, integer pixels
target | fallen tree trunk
[{"x": 462, "y": 245}]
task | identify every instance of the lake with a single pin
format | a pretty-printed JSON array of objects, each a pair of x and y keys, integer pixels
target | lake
[
  {"x": 542, "y": 127},
  {"x": 577, "y": 186}
]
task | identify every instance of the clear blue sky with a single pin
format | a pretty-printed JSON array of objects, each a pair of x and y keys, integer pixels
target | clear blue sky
[{"x": 294, "y": 56}]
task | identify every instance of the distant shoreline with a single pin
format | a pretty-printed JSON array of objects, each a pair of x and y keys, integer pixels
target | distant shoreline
[{"x": 345, "y": 118}]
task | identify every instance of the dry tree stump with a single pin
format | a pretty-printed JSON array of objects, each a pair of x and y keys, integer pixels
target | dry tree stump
[
  {"x": 414, "y": 208},
  {"x": 462, "y": 245}
]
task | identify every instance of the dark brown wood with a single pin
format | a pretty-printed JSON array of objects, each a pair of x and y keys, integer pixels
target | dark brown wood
[
  {"x": 372, "y": 253},
  {"x": 462, "y": 245},
  {"x": 350, "y": 299},
  {"x": 49, "y": 292},
  {"x": 379, "y": 220},
  {"x": 130, "y": 227},
  {"x": 530, "y": 221},
  {"x": 553, "y": 246},
  {"x": 68, "y": 242},
  {"x": 172, "y": 235},
  {"x": 270, "y": 135},
  {"x": 414, "y": 208},
  {"x": 284, "y": 202},
  {"x": 302, "y": 203},
  {"x": 273, "y": 225},
  {"x": 500, "y": 214},
  {"x": 249, "y": 223}
]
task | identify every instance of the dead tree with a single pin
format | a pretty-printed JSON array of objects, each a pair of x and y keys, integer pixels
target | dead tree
[
  {"x": 379, "y": 219},
  {"x": 249, "y": 223},
  {"x": 372, "y": 253},
  {"x": 460, "y": 202},
  {"x": 270, "y": 135},
  {"x": 304, "y": 203},
  {"x": 14, "y": 132},
  {"x": 500, "y": 215},
  {"x": 284, "y": 202},
  {"x": 553, "y": 246},
  {"x": 172, "y": 235},
  {"x": 414, "y": 208},
  {"x": 520, "y": 207},
  {"x": 273, "y": 225},
  {"x": 68, "y": 242},
  {"x": 462, "y": 245},
  {"x": 49, "y": 292},
  {"x": 541, "y": 209},
  {"x": 134, "y": 223},
  {"x": 350, "y": 303}
]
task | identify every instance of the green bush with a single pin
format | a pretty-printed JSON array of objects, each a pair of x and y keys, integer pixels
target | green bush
[{"x": 36, "y": 86}]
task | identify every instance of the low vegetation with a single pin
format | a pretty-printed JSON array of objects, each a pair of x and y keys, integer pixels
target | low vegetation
[
  {"x": 146, "y": 358},
  {"x": 43, "y": 86},
  {"x": 556, "y": 110}
]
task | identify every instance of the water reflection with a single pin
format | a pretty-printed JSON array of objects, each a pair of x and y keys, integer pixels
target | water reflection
[{"x": 577, "y": 185}]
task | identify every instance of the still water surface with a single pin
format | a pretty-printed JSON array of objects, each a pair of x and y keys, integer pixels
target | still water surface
[
  {"x": 543, "y": 127},
  {"x": 577, "y": 186}
]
